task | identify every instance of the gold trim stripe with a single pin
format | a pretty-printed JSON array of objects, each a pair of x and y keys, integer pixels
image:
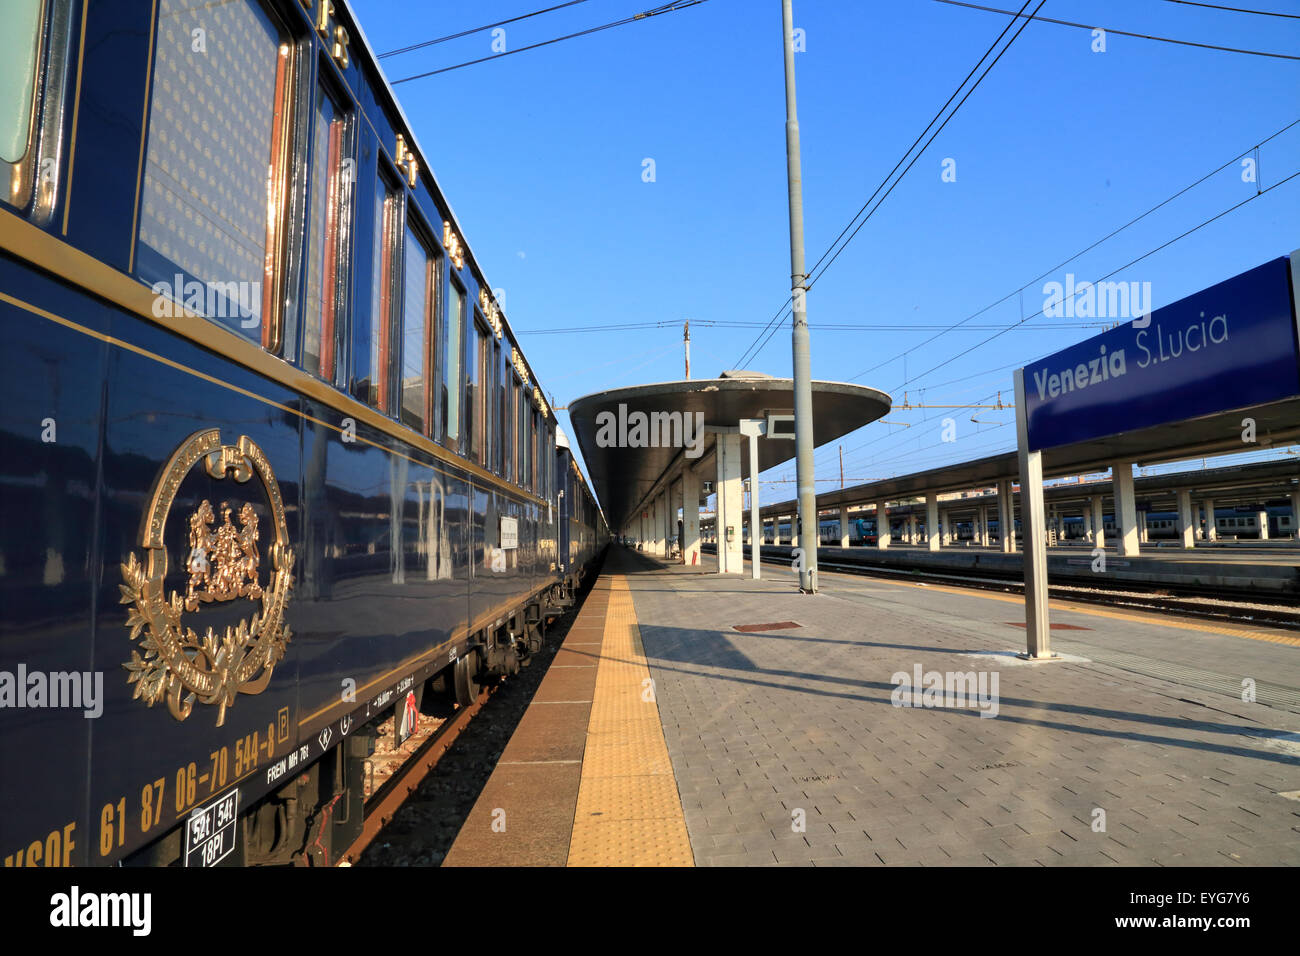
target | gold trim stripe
[
  {"x": 144, "y": 135},
  {"x": 629, "y": 812},
  {"x": 53, "y": 255},
  {"x": 76, "y": 111}
]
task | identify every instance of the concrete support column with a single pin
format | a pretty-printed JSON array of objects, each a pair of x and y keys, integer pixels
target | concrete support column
[
  {"x": 1261, "y": 518},
  {"x": 1098, "y": 522},
  {"x": 690, "y": 517},
  {"x": 1211, "y": 528},
  {"x": 670, "y": 521},
  {"x": 932, "y": 538},
  {"x": 1186, "y": 520},
  {"x": 1087, "y": 524},
  {"x": 755, "y": 514},
  {"x": 1126, "y": 526},
  {"x": 844, "y": 527},
  {"x": 984, "y": 526},
  {"x": 882, "y": 526},
  {"x": 1038, "y": 635},
  {"x": 1142, "y": 527},
  {"x": 1295, "y": 515},
  {"x": 730, "y": 550},
  {"x": 661, "y": 524},
  {"x": 945, "y": 532},
  {"x": 1004, "y": 516}
]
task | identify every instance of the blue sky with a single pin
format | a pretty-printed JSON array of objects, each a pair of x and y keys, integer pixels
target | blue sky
[{"x": 542, "y": 156}]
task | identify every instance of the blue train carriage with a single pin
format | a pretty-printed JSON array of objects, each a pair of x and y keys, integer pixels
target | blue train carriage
[
  {"x": 582, "y": 529},
  {"x": 273, "y": 464}
]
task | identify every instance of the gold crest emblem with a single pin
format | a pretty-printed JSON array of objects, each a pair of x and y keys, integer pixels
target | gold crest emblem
[{"x": 222, "y": 564}]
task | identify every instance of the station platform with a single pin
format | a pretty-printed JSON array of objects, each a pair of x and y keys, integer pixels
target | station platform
[
  {"x": 697, "y": 719},
  {"x": 1231, "y": 571}
]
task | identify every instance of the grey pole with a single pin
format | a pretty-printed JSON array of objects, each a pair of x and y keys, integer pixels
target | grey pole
[
  {"x": 755, "y": 517},
  {"x": 803, "y": 410},
  {"x": 688, "y": 349}
]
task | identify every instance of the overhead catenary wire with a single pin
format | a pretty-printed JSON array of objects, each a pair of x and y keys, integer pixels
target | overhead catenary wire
[
  {"x": 673, "y": 7},
  {"x": 1124, "y": 33},
  {"x": 1106, "y": 238},
  {"x": 815, "y": 326},
  {"x": 1113, "y": 272},
  {"x": 933, "y": 136},
  {"x": 782, "y": 310},
  {"x": 1016, "y": 17},
  {"x": 470, "y": 32},
  {"x": 1216, "y": 6}
]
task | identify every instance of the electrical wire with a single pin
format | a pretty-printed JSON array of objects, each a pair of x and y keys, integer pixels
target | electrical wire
[
  {"x": 1125, "y": 33},
  {"x": 643, "y": 15},
  {"x": 789, "y": 299},
  {"x": 1133, "y": 262},
  {"x": 1082, "y": 252},
  {"x": 471, "y": 32},
  {"x": 1215, "y": 6}
]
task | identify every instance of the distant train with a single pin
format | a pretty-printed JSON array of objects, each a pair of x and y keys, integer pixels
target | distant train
[{"x": 1229, "y": 523}]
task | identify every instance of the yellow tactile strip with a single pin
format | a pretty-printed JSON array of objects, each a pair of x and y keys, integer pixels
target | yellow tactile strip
[{"x": 629, "y": 812}]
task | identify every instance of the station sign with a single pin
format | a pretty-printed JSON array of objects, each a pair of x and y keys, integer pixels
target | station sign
[{"x": 1233, "y": 345}]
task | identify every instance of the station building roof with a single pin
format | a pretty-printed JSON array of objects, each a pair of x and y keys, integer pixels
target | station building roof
[
  {"x": 1225, "y": 484},
  {"x": 624, "y": 475}
]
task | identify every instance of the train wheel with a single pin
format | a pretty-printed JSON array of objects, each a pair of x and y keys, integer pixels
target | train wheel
[{"x": 466, "y": 679}]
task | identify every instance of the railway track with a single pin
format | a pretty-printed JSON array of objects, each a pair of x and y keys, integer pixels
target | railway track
[
  {"x": 1262, "y": 610},
  {"x": 383, "y": 804}
]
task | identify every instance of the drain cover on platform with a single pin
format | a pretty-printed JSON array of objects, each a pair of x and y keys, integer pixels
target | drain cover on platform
[{"x": 778, "y": 626}]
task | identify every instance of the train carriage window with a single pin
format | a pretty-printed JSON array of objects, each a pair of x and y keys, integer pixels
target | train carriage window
[
  {"x": 34, "y": 55},
  {"x": 218, "y": 122},
  {"x": 535, "y": 442},
  {"x": 517, "y": 433},
  {"x": 451, "y": 382},
  {"x": 507, "y": 418},
  {"x": 20, "y": 49},
  {"x": 524, "y": 439},
  {"x": 476, "y": 391},
  {"x": 328, "y": 239},
  {"x": 495, "y": 405},
  {"x": 550, "y": 463},
  {"x": 420, "y": 271},
  {"x": 376, "y": 385}
]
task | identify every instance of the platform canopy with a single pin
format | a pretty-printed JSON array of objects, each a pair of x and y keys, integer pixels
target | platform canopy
[{"x": 625, "y": 475}]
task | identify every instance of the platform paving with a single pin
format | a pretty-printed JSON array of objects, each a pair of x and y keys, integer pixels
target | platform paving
[{"x": 1137, "y": 748}]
